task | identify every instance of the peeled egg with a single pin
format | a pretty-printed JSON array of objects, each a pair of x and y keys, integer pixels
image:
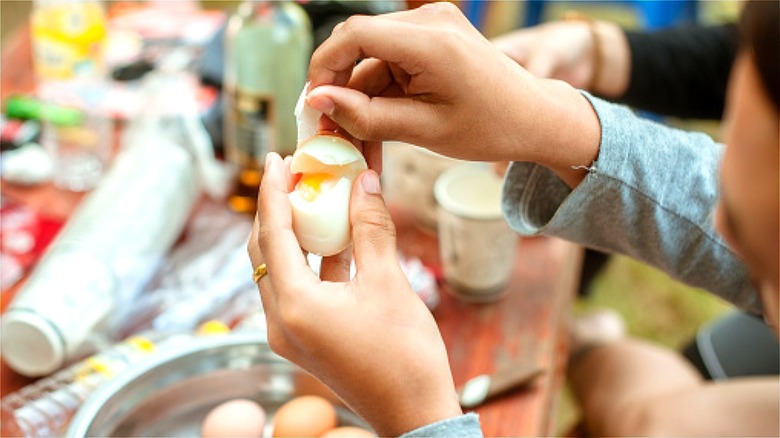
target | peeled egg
[
  {"x": 305, "y": 416},
  {"x": 328, "y": 165},
  {"x": 234, "y": 418}
]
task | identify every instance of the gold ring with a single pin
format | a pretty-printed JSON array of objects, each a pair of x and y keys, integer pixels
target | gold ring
[{"x": 259, "y": 272}]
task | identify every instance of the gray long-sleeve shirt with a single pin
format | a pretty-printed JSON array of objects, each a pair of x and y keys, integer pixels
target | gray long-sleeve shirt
[{"x": 649, "y": 195}]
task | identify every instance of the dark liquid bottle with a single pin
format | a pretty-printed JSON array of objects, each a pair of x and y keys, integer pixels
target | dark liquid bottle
[{"x": 267, "y": 50}]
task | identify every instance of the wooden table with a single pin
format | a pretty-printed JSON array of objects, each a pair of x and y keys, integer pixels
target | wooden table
[{"x": 529, "y": 322}]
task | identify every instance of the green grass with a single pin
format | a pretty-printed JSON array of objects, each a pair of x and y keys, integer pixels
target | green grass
[{"x": 654, "y": 306}]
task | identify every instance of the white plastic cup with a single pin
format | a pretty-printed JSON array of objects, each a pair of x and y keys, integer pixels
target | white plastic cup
[
  {"x": 410, "y": 173},
  {"x": 476, "y": 245}
]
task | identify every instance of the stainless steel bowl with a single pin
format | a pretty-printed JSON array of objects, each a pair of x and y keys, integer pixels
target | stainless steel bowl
[{"x": 170, "y": 394}]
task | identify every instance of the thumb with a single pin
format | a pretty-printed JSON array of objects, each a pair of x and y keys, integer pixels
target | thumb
[
  {"x": 373, "y": 231},
  {"x": 368, "y": 118}
]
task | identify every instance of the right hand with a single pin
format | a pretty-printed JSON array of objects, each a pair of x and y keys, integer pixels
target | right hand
[
  {"x": 560, "y": 50},
  {"x": 427, "y": 77}
]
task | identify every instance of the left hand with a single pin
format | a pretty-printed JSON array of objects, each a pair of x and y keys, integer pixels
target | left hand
[
  {"x": 560, "y": 50},
  {"x": 370, "y": 338}
]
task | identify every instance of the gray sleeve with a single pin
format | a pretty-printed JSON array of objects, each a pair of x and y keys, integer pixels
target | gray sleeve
[
  {"x": 466, "y": 426},
  {"x": 649, "y": 195}
]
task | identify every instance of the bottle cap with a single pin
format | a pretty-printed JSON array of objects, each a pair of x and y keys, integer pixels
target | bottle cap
[{"x": 31, "y": 345}]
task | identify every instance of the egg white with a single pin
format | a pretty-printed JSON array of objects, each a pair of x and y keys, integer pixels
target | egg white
[{"x": 322, "y": 223}]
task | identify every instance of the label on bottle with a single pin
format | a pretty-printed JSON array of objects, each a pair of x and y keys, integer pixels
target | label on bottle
[
  {"x": 250, "y": 134},
  {"x": 68, "y": 39}
]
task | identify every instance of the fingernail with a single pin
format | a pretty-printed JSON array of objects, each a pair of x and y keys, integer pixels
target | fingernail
[
  {"x": 370, "y": 183},
  {"x": 322, "y": 104}
]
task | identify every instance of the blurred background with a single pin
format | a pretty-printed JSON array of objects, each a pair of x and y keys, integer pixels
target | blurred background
[{"x": 653, "y": 305}]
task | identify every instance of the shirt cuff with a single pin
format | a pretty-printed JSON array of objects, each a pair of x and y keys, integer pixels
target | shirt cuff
[{"x": 466, "y": 425}]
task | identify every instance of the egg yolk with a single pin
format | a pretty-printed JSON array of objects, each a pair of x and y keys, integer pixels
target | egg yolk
[{"x": 312, "y": 184}]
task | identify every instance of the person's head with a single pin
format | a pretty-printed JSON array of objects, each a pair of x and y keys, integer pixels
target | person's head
[{"x": 747, "y": 214}]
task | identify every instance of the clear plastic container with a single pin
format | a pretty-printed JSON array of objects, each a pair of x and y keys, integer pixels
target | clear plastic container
[{"x": 44, "y": 408}]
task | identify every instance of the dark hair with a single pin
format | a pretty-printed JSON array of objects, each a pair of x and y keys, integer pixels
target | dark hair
[{"x": 761, "y": 35}]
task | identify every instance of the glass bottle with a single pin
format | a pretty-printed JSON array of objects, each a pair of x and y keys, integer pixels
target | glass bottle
[{"x": 267, "y": 49}]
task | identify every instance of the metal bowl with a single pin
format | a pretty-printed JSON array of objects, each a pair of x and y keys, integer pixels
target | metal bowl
[{"x": 171, "y": 393}]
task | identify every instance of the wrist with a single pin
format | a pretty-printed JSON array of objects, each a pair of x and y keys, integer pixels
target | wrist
[
  {"x": 429, "y": 402},
  {"x": 609, "y": 56},
  {"x": 614, "y": 59},
  {"x": 572, "y": 142}
]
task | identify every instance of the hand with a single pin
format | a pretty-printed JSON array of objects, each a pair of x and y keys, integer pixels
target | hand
[
  {"x": 429, "y": 78},
  {"x": 370, "y": 338},
  {"x": 566, "y": 50},
  {"x": 561, "y": 50}
]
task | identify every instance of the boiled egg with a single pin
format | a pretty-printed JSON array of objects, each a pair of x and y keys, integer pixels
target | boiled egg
[{"x": 328, "y": 165}]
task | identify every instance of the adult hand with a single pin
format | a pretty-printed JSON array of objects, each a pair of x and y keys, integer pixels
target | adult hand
[
  {"x": 370, "y": 338},
  {"x": 568, "y": 50},
  {"x": 561, "y": 49},
  {"x": 427, "y": 77}
]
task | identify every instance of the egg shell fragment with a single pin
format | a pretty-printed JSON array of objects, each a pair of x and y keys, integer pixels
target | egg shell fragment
[{"x": 322, "y": 224}]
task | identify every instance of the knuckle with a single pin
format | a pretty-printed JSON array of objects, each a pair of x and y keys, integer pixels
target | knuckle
[
  {"x": 264, "y": 232},
  {"x": 349, "y": 26},
  {"x": 364, "y": 126},
  {"x": 441, "y": 8},
  {"x": 448, "y": 9}
]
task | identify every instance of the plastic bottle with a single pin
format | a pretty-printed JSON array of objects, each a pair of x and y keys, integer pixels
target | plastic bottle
[
  {"x": 68, "y": 39},
  {"x": 45, "y": 408},
  {"x": 267, "y": 49}
]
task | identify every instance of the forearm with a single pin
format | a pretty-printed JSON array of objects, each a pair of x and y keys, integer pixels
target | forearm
[
  {"x": 640, "y": 202},
  {"x": 565, "y": 135}
]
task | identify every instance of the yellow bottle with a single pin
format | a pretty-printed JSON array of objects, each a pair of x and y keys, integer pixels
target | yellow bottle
[{"x": 68, "y": 39}]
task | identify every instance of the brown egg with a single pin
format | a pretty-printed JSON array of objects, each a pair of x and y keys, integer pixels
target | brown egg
[
  {"x": 234, "y": 418},
  {"x": 348, "y": 432},
  {"x": 305, "y": 416}
]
